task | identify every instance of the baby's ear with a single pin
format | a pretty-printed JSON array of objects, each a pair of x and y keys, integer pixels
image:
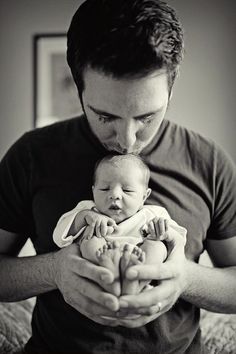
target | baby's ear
[{"x": 146, "y": 195}]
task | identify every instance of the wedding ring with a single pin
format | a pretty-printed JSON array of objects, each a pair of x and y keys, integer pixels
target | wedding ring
[{"x": 159, "y": 305}]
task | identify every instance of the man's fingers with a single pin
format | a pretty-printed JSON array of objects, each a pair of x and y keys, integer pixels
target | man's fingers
[
  {"x": 165, "y": 270},
  {"x": 92, "y": 310},
  {"x": 96, "y": 295},
  {"x": 91, "y": 271},
  {"x": 159, "y": 307},
  {"x": 93, "y": 290},
  {"x": 138, "y": 322},
  {"x": 157, "y": 298}
]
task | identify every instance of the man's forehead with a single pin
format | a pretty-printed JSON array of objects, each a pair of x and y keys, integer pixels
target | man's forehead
[{"x": 103, "y": 86}]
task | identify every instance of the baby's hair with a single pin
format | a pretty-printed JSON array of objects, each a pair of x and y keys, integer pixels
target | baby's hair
[{"x": 116, "y": 159}]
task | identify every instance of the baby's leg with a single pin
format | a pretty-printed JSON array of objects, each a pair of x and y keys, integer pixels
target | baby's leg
[
  {"x": 131, "y": 256},
  {"x": 105, "y": 254},
  {"x": 89, "y": 247},
  {"x": 155, "y": 251},
  {"x": 108, "y": 256}
]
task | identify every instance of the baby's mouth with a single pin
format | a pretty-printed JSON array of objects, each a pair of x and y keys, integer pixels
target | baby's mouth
[{"x": 114, "y": 207}]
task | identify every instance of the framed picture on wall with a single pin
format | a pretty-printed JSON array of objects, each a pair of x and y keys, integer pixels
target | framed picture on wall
[{"x": 55, "y": 94}]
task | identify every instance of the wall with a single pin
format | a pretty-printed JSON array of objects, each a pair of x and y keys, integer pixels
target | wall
[
  {"x": 204, "y": 94},
  {"x": 19, "y": 21}
]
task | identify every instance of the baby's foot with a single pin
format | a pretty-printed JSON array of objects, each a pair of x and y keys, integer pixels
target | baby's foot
[
  {"x": 128, "y": 259},
  {"x": 89, "y": 247},
  {"x": 108, "y": 257}
]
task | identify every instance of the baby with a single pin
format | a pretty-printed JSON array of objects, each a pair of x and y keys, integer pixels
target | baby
[{"x": 116, "y": 229}]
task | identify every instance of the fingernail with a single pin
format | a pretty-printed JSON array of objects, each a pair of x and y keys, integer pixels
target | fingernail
[{"x": 123, "y": 303}]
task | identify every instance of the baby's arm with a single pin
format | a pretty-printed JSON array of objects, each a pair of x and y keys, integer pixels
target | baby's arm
[
  {"x": 78, "y": 222},
  {"x": 151, "y": 251},
  {"x": 161, "y": 233},
  {"x": 155, "y": 251},
  {"x": 97, "y": 224},
  {"x": 82, "y": 219},
  {"x": 154, "y": 248}
]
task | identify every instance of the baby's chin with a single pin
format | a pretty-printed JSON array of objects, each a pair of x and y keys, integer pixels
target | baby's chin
[{"x": 116, "y": 216}]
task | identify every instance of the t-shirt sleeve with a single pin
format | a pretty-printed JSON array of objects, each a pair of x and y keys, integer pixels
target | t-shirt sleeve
[
  {"x": 224, "y": 212},
  {"x": 15, "y": 201}
]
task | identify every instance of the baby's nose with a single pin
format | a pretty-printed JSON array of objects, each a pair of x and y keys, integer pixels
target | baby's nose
[{"x": 115, "y": 194}]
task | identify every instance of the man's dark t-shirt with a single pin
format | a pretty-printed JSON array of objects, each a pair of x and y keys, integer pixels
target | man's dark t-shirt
[{"x": 49, "y": 170}]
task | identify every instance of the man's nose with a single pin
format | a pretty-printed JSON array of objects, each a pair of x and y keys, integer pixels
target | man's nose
[{"x": 126, "y": 135}]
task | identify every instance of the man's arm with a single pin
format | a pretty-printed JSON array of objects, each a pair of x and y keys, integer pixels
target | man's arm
[
  {"x": 76, "y": 278},
  {"x": 23, "y": 277},
  {"x": 209, "y": 288},
  {"x": 214, "y": 288}
]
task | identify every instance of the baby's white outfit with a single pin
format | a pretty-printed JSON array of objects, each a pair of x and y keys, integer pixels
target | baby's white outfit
[{"x": 132, "y": 230}]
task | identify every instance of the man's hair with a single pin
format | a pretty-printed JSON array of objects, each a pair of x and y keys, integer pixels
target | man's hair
[
  {"x": 124, "y": 38},
  {"x": 115, "y": 160}
]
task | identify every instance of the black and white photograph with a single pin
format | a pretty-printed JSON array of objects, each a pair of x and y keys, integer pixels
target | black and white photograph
[{"x": 117, "y": 177}]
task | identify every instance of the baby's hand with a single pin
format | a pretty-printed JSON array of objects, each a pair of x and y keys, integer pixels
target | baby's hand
[
  {"x": 99, "y": 225},
  {"x": 157, "y": 228}
]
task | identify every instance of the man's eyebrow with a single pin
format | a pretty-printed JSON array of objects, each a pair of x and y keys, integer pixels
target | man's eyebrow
[{"x": 104, "y": 113}]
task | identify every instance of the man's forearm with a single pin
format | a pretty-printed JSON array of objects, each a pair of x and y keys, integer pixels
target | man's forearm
[
  {"x": 24, "y": 277},
  {"x": 211, "y": 288}
]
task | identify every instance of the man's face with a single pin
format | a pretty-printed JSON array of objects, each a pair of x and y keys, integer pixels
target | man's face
[
  {"x": 125, "y": 114},
  {"x": 119, "y": 194}
]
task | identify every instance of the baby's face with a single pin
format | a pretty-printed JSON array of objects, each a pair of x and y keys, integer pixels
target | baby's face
[{"x": 119, "y": 191}]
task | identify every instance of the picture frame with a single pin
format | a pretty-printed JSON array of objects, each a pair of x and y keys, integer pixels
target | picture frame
[{"x": 55, "y": 94}]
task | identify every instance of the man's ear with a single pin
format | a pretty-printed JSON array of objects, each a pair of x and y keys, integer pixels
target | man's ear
[{"x": 146, "y": 195}]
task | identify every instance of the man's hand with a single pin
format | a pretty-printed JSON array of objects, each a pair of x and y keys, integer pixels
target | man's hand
[
  {"x": 81, "y": 282},
  {"x": 98, "y": 224},
  {"x": 171, "y": 275}
]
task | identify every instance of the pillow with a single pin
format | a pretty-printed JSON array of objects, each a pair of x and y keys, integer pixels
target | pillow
[
  {"x": 218, "y": 332},
  {"x": 15, "y": 328}
]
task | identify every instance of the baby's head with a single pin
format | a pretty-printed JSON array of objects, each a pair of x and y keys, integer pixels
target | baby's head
[{"x": 120, "y": 185}]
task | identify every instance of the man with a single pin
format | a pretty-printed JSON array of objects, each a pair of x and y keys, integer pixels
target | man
[{"x": 124, "y": 56}]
